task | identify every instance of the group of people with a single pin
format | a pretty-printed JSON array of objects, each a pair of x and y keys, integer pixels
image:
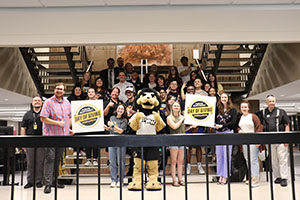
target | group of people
[{"x": 117, "y": 87}]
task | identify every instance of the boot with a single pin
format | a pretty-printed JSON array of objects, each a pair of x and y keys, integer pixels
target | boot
[
  {"x": 136, "y": 185},
  {"x": 153, "y": 184}
]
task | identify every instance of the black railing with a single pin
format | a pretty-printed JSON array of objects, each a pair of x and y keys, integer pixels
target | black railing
[{"x": 163, "y": 141}]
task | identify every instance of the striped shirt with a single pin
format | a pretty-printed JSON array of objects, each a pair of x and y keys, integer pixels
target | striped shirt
[{"x": 57, "y": 111}]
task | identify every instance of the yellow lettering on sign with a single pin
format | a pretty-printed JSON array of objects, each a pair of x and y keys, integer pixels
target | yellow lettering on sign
[
  {"x": 87, "y": 116},
  {"x": 200, "y": 111}
]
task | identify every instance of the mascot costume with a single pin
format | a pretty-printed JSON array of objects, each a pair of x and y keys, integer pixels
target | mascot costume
[{"x": 146, "y": 121}]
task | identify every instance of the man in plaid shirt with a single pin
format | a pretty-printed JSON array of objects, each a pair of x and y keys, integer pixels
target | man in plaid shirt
[{"x": 56, "y": 118}]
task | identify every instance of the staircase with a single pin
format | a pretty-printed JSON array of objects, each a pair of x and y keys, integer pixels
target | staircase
[
  {"x": 234, "y": 65},
  {"x": 48, "y": 66}
]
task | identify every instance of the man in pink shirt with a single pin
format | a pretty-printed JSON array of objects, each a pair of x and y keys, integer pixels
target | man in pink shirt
[{"x": 56, "y": 118}]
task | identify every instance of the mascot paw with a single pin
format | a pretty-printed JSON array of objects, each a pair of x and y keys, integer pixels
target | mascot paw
[
  {"x": 134, "y": 186},
  {"x": 153, "y": 186},
  {"x": 156, "y": 116},
  {"x": 139, "y": 115}
]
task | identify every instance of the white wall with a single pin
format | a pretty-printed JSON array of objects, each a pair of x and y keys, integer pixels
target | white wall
[{"x": 149, "y": 24}]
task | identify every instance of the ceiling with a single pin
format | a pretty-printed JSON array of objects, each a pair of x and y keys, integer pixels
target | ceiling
[
  {"x": 83, "y": 3},
  {"x": 287, "y": 97},
  {"x": 287, "y": 92}
]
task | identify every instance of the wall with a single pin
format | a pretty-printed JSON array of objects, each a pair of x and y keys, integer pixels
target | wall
[
  {"x": 101, "y": 53},
  {"x": 280, "y": 65},
  {"x": 14, "y": 75}
]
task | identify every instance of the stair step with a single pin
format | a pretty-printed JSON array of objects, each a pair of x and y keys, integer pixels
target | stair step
[
  {"x": 234, "y": 89},
  {"x": 231, "y": 81},
  {"x": 56, "y": 77},
  {"x": 53, "y": 53},
  {"x": 55, "y": 61},
  {"x": 231, "y": 74},
  {"x": 229, "y": 67},
  {"x": 232, "y": 51},
  {"x": 231, "y": 59},
  {"x": 63, "y": 69},
  {"x": 81, "y": 166},
  {"x": 53, "y": 84}
]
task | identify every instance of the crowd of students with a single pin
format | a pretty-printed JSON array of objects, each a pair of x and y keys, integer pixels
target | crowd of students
[{"x": 119, "y": 107}]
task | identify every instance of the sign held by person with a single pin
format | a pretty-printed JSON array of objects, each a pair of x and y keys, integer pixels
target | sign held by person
[
  {"x": 87, "y": 116},
  {"x": 200, "y": 110}
]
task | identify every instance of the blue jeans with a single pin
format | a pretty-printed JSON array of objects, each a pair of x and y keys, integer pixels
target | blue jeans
[
  {"x": 114, "y": 159},
  {"x": 253, "y": 159}
]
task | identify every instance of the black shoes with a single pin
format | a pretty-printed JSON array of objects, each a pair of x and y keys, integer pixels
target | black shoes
[
  {"x": 277, "y": 181},
  {"x": 47, "y": 189},
  {"x": 28, "y": 185},
  {"x": 59, "y": 186},
  {"x": 283, "y": 182},
  {"x": 39, "y": 185}
]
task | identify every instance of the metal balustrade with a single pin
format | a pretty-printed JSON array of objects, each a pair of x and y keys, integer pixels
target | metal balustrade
[{"x": 100, "y": 141}]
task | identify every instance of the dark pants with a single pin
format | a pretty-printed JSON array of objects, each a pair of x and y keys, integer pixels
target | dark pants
[
  {"x": 49, "y": 163},
  {"x": 40, "y": 158},
  {"x": 89, "y": 153}
]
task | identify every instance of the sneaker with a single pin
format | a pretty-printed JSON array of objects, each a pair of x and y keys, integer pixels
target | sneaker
[
  {"x": 283, "y": 182},
  {"x": 118, "y": 184},
  {"x": 113, "y": 184},
  {"x": 83, "y": 153},
  {"x": 254, "y": 182},
  {"x": 200, "y": 169},
  {"x": 95, "y": 163},
  {"x": 88, "y": 163},
  {"x": 277, "y": 181},
  {"x": 188, "y": 169},
  {"x": 254, "y": 185}
]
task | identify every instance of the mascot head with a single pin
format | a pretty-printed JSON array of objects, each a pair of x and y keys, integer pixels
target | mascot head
[{"x": 147, "y": 100}]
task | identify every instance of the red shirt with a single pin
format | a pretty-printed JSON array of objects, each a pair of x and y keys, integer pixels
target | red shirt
[{"x": 57, "y": 111}]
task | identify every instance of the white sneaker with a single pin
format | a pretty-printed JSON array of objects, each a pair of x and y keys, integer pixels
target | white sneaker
[
  {"x": 254, "y": 182},
  {"x": 118, "y": 184},
  {"x": 113, "y": 184},
  {"x": 188, "y": 169},
  {"x": 200, "y": 169},
  {"x": 95, "y": 163},
  {"x": 88, "y": 163},
  {"x": 83, "y": 153}
]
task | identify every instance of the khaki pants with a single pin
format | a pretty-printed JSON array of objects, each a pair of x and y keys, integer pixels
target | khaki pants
[{"x": 280, "y": 161}]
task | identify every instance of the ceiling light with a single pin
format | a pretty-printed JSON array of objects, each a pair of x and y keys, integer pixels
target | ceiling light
[{"x": 282, "y": 95}]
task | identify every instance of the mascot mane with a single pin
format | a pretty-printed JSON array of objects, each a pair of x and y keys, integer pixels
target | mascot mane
[{"x": 147, "y": 100}]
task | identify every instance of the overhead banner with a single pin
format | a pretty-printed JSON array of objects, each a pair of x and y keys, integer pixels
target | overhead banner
[
  {"x": 87, "y": 116},
  {"x": 200, "y": 110}
]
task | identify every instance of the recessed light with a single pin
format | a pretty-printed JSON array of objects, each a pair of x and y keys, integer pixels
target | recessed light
[
  {"x": 5, "y": 99},
  {"x": 282, "y": 95}
]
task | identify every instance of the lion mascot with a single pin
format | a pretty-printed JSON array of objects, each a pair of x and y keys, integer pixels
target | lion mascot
[{"x": 146, "y": 121}]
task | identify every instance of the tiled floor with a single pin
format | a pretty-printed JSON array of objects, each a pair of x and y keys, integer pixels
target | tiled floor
[{"x": 239, "y": 191}]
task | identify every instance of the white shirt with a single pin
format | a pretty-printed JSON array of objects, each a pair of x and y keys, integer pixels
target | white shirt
[
  {"x": 246, "y": 123},
  {"x": 122, "y": 87},
  {"x": 185, "y": 78},
  {"x": 147, "y": 124}
]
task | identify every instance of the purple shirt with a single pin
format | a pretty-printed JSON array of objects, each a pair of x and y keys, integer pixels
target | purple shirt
[{"x": 57, "y": 111}]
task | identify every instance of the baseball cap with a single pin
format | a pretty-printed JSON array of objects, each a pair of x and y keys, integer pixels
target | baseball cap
[{"x": 130, "y": 88}]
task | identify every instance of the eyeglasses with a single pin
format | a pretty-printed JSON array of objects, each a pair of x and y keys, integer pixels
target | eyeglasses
[{"x": 270, "y": 95}]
